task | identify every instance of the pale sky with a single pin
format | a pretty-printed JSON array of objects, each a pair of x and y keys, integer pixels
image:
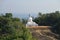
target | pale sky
[{"x": 29, "y": 6}]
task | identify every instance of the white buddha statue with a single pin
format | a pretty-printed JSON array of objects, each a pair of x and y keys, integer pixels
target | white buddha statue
[{"x": 30, "y": 22}]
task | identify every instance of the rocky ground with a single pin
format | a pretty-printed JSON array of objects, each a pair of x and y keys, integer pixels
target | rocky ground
[{"x": 44, "y": 34}]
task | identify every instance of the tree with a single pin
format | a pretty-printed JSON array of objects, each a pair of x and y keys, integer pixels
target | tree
[
  {"x": 8, "y": 15},
  {"x": 24, "y": 21},
  {"x": 12, "y": 29},
  {"x": 39, "y": 14},
  {"x": 50, "y": 19}
]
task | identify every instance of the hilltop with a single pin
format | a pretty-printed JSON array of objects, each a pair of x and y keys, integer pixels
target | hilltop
[{"x": 43, "y": 33}]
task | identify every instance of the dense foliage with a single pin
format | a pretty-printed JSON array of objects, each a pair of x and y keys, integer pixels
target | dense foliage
[
  {"x": 49, "y": 19},
  {"x": 13, "y": 29}
]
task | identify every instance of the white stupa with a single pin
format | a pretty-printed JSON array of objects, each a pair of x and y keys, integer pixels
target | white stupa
[{"x": 30, "y": 22}]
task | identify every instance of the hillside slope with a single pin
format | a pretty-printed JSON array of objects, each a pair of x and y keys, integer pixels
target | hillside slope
[{"x": 45, "y": 34}]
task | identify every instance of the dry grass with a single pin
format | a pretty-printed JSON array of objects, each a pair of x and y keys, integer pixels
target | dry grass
[
  {"x": 44, "y": 34},
  {"x": 39, "y": 27}
]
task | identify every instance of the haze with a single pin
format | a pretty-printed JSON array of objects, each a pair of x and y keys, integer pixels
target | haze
[{"x": 25, "y": 7}]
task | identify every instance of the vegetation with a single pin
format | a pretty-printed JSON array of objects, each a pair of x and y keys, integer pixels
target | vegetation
[
  {"x": 13, "y": 29},
  {"x": 49, "y": 19}
]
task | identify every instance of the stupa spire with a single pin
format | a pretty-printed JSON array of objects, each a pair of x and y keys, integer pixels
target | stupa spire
[{"x": 29, "y": 15}]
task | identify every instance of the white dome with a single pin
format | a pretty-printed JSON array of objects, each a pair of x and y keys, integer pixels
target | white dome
[
  {"x": 30, "y": 19},
  {"x": 31, "y": 23}
]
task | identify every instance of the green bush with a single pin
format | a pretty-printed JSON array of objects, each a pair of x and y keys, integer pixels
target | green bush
[{"x": 13, "y": 29}]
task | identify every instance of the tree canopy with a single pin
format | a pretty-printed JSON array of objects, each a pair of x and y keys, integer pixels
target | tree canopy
[
  {"x": 13, "y": 29},
  {"x": 49, "y": 19}
]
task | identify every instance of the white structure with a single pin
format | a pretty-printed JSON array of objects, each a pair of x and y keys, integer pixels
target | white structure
[{"x": 30, "y": 22}]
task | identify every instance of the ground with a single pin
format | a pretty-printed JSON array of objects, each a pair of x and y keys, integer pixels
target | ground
[{"x": 43, "y": 34}]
